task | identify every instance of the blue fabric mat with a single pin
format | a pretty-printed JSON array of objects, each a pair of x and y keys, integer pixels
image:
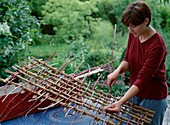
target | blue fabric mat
[{"x": 49, "y": 117}]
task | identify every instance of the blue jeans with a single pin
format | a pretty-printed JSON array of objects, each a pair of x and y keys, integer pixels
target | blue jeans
[{"x": 159, "y": 106}]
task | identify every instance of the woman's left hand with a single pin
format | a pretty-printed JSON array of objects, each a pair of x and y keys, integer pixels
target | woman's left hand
[{"x": 114, "y": 108}]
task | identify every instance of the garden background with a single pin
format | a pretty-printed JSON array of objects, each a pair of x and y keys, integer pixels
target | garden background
[{"x": 84, "y": 28}]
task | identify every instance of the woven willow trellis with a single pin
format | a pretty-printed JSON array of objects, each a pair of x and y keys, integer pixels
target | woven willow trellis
[{"x": 47, "y": 82}]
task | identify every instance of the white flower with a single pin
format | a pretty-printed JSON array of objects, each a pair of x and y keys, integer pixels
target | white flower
[
  {"x": 4, "y": 28},
  {"x": 8, "y": 49},
  {"x": 23, "y": 46}
]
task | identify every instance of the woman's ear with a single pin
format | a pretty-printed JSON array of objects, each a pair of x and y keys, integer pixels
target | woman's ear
[{"x": 146, "y": 21}]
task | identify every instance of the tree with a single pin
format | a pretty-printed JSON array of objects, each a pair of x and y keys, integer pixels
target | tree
[
  {"x": 70, "y": 19},
  {"x": 165, "y": 1}
]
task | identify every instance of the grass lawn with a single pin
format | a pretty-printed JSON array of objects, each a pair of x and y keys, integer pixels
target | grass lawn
[{"x": 45, "y": 51}]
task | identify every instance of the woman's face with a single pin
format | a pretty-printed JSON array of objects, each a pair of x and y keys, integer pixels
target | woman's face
[{"x": 137, "y": 30}]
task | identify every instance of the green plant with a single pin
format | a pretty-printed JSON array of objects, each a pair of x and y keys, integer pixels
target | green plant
[
  {"x": 102, "y": 33},
  {"x": 104, "y": 6},
  {"x": 71, "y": 20},
  {"x": 118, "y": 7},
  {"x": 165, "y": 1},
  {"x": 98, "y": 57},
  {"x": 17, "y": 29},
  {"x": 36, "y": 7}
]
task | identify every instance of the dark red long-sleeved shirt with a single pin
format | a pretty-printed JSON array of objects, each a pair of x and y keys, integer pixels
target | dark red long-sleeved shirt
[{"x": 147, "y": 66}]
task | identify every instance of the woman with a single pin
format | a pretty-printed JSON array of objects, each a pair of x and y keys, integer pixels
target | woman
[{"x": 145, "y": 59}]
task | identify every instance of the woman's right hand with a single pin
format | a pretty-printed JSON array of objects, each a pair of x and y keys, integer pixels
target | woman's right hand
[{"x": 112, "y": 78}]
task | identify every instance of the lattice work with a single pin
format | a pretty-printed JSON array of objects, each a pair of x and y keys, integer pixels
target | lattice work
[{"x": 47, "y": 82}]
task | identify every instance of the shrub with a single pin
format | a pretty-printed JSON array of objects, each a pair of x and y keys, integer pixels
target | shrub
[
  {"x": 118, "y": 7},
  {"x": 99, "y": 57},
  {"x": 17, "y": 29},
  {"x": 36, "y": 7},
  {"x": 104, "y": 6},
  {"x": 71, "y": 20}
]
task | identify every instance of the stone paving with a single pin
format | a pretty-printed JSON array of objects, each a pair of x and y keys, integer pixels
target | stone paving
[{"x": 167, "y": 114}]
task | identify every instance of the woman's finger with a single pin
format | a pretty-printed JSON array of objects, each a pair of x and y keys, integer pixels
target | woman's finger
[{"x": 113, "y": 110}]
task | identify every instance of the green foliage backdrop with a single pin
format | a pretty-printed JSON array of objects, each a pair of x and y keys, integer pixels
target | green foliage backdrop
[
  {"x": 86, "y": 27},
  {"x": 17, "y": 29},
  {"x": 70, "y": 19}
]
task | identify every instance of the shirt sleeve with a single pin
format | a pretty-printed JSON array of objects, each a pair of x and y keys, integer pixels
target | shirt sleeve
[{"x": 151, "y": 65}]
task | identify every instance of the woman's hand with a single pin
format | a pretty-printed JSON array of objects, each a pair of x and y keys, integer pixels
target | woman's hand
[
  {"x": 114, "y": 108},
  {"x": 112, "y": 78}
]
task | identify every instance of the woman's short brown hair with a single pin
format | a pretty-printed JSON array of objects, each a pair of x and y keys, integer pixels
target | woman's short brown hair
[{"x": 136, "y": 13}]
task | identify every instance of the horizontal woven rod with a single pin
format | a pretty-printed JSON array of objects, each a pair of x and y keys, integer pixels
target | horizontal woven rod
[
  {"x": 89, "y": 92},
  {"x": 91, "y": 87},
  {"x": 78, "y": 81},
  {"x": 64, "y": 104},
  {"x": 135, "y": 115},
  {"x": 64, "y": 93},
  {"x": 117, "y": 117},
  {"x": 66, "y": 97},
  {"x": 78, "y": 85},
  {"x": 26, "y": 66},
  {"x": 70, "y": 99},
  {"x": 138, "y": 112},
  {"x": 39, "y": 77},
  {"x": 46, "y": 65},
  {"x": 77, "y": 93},
  {"x": 51, "y": 89},
  {"x": 38, "y": 81},
  {"x": 139, "y": 107},
  {"x": 150, "y": 112},
  {"x": 90, "y": 73},
  {"x": 131, "y": 113},
  {"x": 68, "y": 90},
  {"x": 71, "y": 82}
]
